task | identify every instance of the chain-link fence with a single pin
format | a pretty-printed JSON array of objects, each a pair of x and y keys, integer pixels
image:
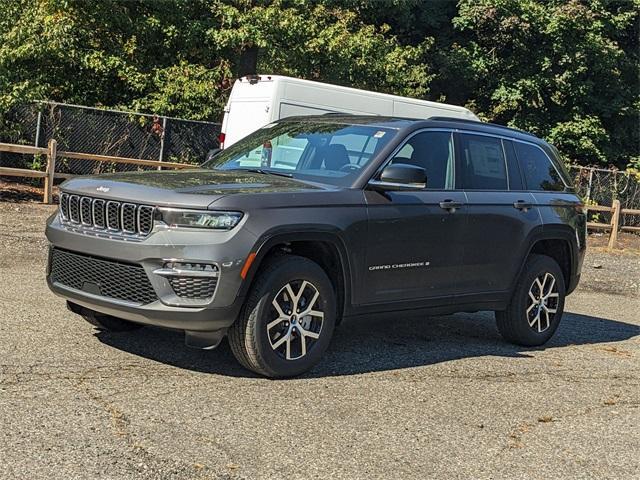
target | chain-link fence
[
  {"x": 598, "y": 186},
  {"x": 104, "y": 132},
  {"x": 150, "y": 137}
]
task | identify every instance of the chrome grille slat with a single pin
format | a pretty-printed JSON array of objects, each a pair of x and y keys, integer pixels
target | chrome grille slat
[
  {"x": 128, "y": 219},
  {"x": 64, "y": 206},
  {"x": 113, "y": 215},
  {"x": 98, "y": 213},
  {"x": 86, "y": 217},
  {"x": 145, "y": 219},
  {"x": 74, "y": 208}
]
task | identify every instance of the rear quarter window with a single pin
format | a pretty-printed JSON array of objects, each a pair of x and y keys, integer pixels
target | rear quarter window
[{"x": 537, "y": 170}]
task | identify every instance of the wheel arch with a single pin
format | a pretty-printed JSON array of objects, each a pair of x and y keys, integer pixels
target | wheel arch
[
  {"x": 559, "y": 243},
  {"x": 323, "y": 246}
]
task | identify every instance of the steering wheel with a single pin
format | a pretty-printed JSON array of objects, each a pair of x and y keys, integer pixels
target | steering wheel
[{"x": 349, "y": 167}]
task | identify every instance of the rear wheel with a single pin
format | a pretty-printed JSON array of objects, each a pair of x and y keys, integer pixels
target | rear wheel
[
  {"x": 287, "y": 320},
  {"x": 535, "y": 310}
]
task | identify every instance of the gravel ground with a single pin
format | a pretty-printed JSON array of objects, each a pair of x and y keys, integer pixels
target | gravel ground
[{"x": 438, "y": 397}]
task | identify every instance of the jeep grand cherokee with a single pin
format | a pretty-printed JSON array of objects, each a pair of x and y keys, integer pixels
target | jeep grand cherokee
[{"x": 311, "y": 220}]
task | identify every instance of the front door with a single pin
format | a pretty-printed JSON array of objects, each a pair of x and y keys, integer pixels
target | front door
[{"x": 414, "y": 237}]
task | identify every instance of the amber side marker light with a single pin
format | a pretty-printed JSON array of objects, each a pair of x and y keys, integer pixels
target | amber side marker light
[{"x": 247, "y": 265}]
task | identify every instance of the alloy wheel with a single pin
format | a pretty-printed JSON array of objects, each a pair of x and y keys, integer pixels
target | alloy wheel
[
  {"x": 295, "y": 319},
  {"x": 542, "y": 304}
]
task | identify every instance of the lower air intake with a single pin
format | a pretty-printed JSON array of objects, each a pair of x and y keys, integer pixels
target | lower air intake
[{"x": 107, "y": 278}]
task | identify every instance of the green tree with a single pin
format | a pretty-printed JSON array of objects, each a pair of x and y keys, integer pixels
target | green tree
[
  {"x": 180, "y": 57},
  {"x": 564, "y": 70}
]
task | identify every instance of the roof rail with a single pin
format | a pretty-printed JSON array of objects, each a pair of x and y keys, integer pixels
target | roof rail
[{"x": 475, "y": 122}]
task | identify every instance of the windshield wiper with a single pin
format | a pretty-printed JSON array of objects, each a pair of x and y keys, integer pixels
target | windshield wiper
[{"x": 263, "y": 171}]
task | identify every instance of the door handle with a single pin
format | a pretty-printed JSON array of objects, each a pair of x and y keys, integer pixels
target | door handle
[
  {"x": 450, "y": 205},
  {"x": 522, "y": 205}
]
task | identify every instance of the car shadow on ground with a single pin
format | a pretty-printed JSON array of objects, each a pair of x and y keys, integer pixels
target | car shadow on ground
[{"x": 379, "y": 344}]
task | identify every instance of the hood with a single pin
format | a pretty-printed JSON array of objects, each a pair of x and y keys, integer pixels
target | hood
[{"x": 196, "y": 188}]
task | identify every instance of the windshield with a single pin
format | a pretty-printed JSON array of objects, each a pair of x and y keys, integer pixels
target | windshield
[{"x": 324, "y": 152}]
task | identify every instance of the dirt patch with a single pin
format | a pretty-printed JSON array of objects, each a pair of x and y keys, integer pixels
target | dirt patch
[
  {"x": 22, "y": 232},
  {"x": 616, "y": 272},
  {"x": 629, "y": 242},
  {"x": 18, "y": 192}
]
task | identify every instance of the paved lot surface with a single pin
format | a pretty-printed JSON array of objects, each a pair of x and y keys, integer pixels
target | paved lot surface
[{"x": 439, "y": 397}]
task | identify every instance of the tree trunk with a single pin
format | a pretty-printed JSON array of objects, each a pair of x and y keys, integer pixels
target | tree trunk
[{"x": 248, "y": 63}]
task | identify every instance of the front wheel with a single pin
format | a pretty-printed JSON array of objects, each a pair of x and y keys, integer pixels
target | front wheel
[
  {"x": 535, "y": 310},
  {"x": 288, "y": 318}
]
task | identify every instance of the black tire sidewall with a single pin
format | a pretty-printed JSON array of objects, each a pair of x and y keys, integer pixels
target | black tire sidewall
[
  {"x": 292, "y": 269},
  {"x": 537, "y": 266}
]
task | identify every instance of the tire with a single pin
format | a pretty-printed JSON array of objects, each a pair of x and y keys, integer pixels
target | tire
[
  {"x": 275, "y": 348},
  {"x": 530, "y": 320},
  {"x": 108, "y": 323}
]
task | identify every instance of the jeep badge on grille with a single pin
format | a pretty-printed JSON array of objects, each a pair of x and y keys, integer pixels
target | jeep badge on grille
[{"x": 103, "y": 189}]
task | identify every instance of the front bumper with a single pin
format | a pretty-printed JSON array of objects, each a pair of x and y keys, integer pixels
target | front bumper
[{"x": 227, "y": 250}]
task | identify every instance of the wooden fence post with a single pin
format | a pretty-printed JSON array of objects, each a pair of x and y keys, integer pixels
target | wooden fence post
[
  {"x": 615, "y": 223},
  {"x": 51, "y": 168}
]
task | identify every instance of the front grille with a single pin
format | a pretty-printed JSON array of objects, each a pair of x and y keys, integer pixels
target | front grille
[
  {"x": 98, "y": 213},
  {"x": 108, "y": 278},
  {"x": 197, "y": 288},
  {"x": 127, "y": 218},
  {"x": 74, "y": 207}
]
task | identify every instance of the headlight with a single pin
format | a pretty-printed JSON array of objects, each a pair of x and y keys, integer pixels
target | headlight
[{"x": 199, "y": 218}]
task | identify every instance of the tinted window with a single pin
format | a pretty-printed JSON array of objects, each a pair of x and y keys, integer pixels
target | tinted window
[
  {"x": 432, "y": 151},
  {"x": 483, "y": 165},
  {"x": 285, "y": 153},
  {"x": 359, "y": 147},
  {"x": 538, "y": 172},
  {"x": 316, "y": 150}
]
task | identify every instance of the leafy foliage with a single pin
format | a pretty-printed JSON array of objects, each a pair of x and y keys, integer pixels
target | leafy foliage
[{"x": 563, "y": 69}]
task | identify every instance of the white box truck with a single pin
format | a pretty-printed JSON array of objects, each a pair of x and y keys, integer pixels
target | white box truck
[{"x": 258, "y": 100}]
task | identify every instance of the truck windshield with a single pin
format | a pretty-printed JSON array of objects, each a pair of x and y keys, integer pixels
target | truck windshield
[{"x": 324, "y": 152}]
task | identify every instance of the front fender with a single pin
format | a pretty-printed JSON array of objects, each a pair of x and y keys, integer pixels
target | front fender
[{"x": 299, "y": 233}]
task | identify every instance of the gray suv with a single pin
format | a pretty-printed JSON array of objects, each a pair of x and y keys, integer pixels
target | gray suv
[{"x": 311, "y": 220}]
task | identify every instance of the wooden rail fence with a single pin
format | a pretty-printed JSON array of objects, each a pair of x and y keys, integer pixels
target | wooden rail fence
[
  {"x": 614, "y": 225},
  {"x": 52, "y": 153}
]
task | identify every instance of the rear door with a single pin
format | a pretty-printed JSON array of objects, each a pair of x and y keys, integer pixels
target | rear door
[
  {"x": 560, "y": 209},
  {"x": 244, "y": 117},
  {"x": 501, "y": 214}
]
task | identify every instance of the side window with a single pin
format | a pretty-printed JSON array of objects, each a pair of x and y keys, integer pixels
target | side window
[
  {"x": 538, "y": 172},
  {"x": 482, "y": 162},
  {"x": 432, "y": 151}
]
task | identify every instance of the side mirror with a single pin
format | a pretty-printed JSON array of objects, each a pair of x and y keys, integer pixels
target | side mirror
[{"x": 401, "y": 176}]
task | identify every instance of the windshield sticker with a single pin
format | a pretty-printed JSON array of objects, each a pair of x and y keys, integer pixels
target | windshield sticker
[{"x": 379, "y": 134}]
